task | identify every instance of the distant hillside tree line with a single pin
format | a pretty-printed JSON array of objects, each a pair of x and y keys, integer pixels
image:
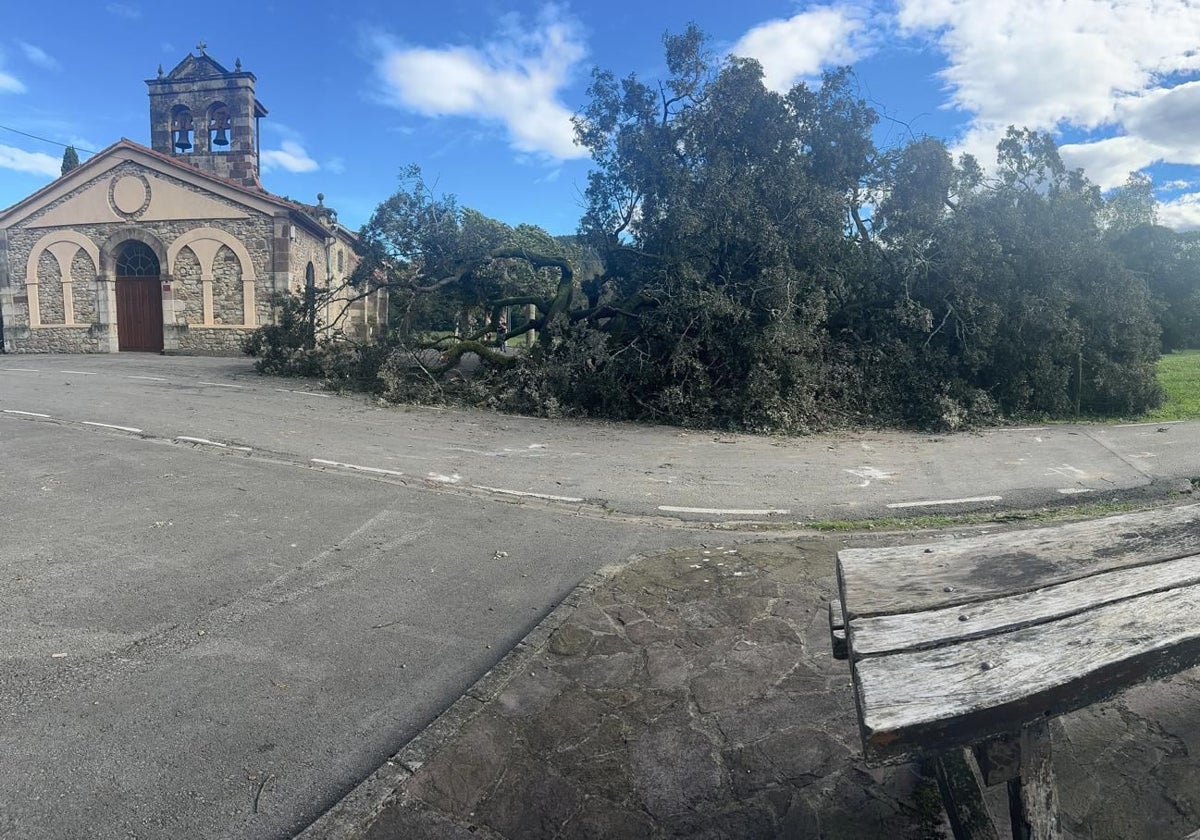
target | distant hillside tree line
[{"x": 751, "y": 259}]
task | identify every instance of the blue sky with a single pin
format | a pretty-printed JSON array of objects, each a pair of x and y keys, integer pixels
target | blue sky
[{"x": 480, "y": 94}]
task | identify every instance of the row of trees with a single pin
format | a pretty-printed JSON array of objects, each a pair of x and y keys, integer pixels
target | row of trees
[{"x": 752, "y": 259}]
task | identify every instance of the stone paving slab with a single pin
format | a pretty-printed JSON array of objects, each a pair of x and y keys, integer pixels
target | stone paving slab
[{"x": 694, "y": 694}]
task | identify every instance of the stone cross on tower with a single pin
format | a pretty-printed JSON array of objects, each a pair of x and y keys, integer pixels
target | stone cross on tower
[{"x": 202, "y": 47}]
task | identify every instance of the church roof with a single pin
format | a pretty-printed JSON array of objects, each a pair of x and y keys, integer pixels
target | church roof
[{"x": 125, "y": 149}]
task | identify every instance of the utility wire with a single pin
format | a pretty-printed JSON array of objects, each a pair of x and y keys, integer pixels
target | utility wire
[{"x": 47, "y": 140}]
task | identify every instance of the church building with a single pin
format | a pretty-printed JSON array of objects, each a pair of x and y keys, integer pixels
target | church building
[{"x": 175, "y": 248}]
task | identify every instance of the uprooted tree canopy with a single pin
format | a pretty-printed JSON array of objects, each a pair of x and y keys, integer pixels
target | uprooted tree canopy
[{"x": 751, "y": 259}]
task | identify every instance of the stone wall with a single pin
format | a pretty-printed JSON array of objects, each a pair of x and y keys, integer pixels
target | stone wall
[
  {"x": 83, "y": 287},
  {"x": 50, "y": 290},
  {"x": 81, "y": 338},
  {"x": 228, "y": 305},
  {"x": 213, "y": 341},
  {"x": 187, "y": 286}
]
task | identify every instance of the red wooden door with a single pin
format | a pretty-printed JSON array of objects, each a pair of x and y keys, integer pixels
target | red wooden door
[{"x": 139, "y": 314}]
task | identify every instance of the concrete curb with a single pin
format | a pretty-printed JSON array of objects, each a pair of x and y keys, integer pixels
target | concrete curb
[{"x": 358, "y": 809}]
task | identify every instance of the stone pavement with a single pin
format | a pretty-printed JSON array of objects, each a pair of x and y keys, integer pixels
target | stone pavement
[{"x": 693, "y": 694}]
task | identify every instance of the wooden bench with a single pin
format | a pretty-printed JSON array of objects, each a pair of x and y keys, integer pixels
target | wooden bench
[{"x": 962, "y": 651}]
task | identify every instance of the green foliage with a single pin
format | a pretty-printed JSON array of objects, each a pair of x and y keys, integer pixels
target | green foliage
[
  {"x": 70, "y": 159},
  {"x": 749, "y": 259}
]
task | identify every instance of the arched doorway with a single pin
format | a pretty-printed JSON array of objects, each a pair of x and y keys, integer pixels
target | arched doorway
[{"x": 139, "y": 299}]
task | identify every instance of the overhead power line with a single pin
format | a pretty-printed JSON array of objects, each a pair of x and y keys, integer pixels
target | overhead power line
[{"x": 47, "y": 140}]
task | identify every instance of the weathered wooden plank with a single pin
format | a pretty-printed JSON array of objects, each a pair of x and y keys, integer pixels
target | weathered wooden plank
[
  {"x": 962, "y": 797},
  {"x": 837, "y": 630},
  {"x": 913, "y": 631},
  {"x": 1033, "y": 796},
  {"x": 928, "y": 701},
  {"x": 882, "y": 581}
]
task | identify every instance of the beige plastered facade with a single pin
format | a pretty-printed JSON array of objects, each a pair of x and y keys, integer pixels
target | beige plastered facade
[{"x": 223, "y": 251}]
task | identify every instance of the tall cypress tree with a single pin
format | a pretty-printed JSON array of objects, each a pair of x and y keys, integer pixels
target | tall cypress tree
[{"x": 70, "y": 159}]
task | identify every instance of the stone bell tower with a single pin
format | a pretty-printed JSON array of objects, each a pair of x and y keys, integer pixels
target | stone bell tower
[{"x": 207, "y": 116}]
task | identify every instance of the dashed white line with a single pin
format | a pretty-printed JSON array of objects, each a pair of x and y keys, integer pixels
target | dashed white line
[
  {"x": 26, "y": 413},
  {"x": 726, "y": 511},
  {"x": 22, "y": 370},
  {"x": 355, "y": 467},
  {"x": 111, "y": 426},
  {"x": 1019, "y": 429},
  {"x": 524, "y": 494},
  {"x": 78, "y": 372},
  {"x": 149, "y": 378},
  {"x": 1075, "y": 491},
  {"x": 222, "y": 385},
  {"x": 933, "y": 502},
  {"x": 305, "y": 393}
]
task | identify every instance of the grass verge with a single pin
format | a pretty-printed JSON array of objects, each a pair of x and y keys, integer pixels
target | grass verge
[{"x": 1179, "y": 375}]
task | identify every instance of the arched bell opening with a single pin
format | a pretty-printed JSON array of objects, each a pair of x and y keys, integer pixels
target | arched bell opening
[
  {"x": 182, "y": 130},
  {"x": 220, "y": 127}
]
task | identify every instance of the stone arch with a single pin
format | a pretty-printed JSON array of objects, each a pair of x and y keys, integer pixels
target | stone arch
[
  {"x": 63, "y": 245},
  {"x": 108, "y": 251},
  {"x": 205, "y": 243}
]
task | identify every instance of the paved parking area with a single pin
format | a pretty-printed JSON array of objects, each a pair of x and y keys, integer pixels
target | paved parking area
[{"x": 204, "y": 644}]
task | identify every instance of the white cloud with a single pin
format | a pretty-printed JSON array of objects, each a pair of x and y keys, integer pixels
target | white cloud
[
  {"x": 804, "y": 44},
  {"x": 1090, "y": 65},
  {"x": 10, "y": 83},
  {"x": 336, "y": 165},
  {"x": 1182, "y": 213},
  {"x": 289, "y": 156},
  {"x": 35, "y": 163},
  {"x": 514, "y": 80},
  {"x": 38, "y": 56}
]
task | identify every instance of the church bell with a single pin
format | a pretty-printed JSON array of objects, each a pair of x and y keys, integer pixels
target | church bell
[
  {"x": 181, "y": 141},
  {"x": 221, "y": 138}
]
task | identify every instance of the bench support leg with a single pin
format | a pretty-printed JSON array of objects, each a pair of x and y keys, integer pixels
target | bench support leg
[
  {"x": 1033, "y": 795},
  {"x": 962, "y": 794}
]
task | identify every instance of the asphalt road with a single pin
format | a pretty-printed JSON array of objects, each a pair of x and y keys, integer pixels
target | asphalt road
[
  {"x": 601, "y": 468},
  {"x": 227, "y": 599}
]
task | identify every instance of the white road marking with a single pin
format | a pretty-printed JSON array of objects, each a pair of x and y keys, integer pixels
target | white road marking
[
  {"x": 221, "y": 385},
  {"x": 1066, "y": 471},
  {"x": 522, "y": 493},
  {"x": 149, "y": 378},
  {"x": 305, "y": 393},
  {"x": 444, "y": 479},
  {"x": 356, "y": 467},
  {"x": 1019, "y": 429},
  {"x": 206, "y": 442},
  {"x": 1136, "y": 425},
  {"x": 22, "y": 370},
  {"x": 111, "y": 426},
  {"x": 869, "y": 474},
  {"x": 726, "y": 511},
  {"x": 933, "y": 502},
  {"x": 26, "y": 413},
  {"x": 78, "y": 372},
  {"x": 1075, "y": 491}
]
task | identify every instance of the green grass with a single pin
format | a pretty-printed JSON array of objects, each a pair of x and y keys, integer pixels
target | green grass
[{"x": 1179, "y": 375}]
